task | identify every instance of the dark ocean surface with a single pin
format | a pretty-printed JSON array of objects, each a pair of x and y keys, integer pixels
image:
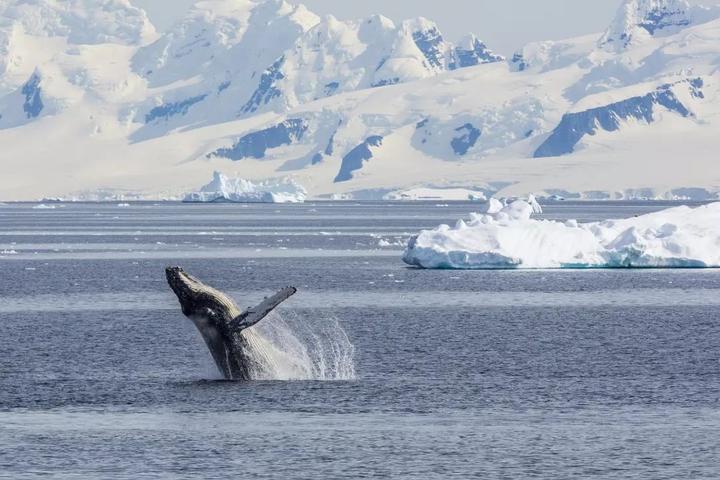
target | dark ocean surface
[{"x": 399, "y": 372}]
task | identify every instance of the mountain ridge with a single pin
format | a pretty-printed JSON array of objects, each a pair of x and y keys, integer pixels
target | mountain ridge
[{"x": 364, "y": 108}]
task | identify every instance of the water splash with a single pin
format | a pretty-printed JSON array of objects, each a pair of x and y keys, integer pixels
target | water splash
[{"x": 289, "y": 346}]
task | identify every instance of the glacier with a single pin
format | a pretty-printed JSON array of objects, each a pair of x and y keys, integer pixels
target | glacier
[
  {"x": 238, "y": 190},
  {"x": 509, "y": 238}
]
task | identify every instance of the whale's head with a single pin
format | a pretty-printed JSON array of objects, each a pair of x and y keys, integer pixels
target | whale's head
[
  {"x": 198, "y": 299},
  {"x": 180, "y": 282},
  {"x": 186, "y": 287}
]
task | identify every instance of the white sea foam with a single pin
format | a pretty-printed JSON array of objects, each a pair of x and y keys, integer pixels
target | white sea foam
[{"x": 291, "y": 347}]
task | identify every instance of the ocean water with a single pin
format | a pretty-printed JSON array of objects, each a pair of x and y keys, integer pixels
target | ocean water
[{"x": 397, "y": 372}]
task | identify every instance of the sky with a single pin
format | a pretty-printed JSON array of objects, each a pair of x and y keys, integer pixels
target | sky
[{"x": 505, "y": 25}]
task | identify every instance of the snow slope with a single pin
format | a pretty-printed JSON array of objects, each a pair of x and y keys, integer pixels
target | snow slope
[
  {"x": 510, "y": 238},
  {"x": 94, "y": 99}
]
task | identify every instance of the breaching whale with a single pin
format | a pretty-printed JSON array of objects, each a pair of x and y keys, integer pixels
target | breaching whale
[{"x": 237, "y": 351}]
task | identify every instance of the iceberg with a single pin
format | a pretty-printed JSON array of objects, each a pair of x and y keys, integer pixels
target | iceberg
[
  {"x": 239, "y": 190},
  {"x": 509, "y": 238}
]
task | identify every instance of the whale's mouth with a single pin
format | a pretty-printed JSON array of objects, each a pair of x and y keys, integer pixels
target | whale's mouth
[
  {"x": 178, "y": 276},
  {"x": 182, "y": 284}
]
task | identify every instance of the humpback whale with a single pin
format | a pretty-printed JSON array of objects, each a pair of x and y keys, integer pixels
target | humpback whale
[{"x": 237, "y": 351}]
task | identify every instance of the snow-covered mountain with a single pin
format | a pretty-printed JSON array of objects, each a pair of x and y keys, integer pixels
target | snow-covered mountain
[
  {"x": 639, "y": 20},
  {"x": 255, "y": 57},
  {"x": 92, "y": 97}
]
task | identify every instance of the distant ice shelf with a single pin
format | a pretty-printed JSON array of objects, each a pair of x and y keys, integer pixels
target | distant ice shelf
[
  {"x": 430, "y": 193},
  {"x": 508, "y": 238},
  {"x": 239, "y": 190}
]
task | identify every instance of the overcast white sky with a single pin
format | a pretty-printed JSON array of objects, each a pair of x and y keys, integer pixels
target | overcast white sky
[{"x": 505, "y": 25}]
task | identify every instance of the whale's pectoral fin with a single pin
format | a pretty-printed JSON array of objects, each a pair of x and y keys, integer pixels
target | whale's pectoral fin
[{"x": 253, "y": 315}]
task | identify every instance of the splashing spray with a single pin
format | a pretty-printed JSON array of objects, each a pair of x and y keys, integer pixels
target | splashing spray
[{"x": 288, "y": 346}]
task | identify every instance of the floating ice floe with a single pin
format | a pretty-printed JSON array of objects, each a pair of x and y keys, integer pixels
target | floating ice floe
[
  {"x": 42, "y": 206},
  {"x": 388, "y": 243},
  {"x": 427, "y": 193},
  {"x": 225, "y": 189},
  {"x": 511, "y": 207},
  {"x": 680, "y": 237}
]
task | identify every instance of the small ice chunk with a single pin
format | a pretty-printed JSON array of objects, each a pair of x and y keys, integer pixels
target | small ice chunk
[
  {"x": 518, "y": 210},
  {"x": 492, "y": 206},
  {"x": 537, "y": 209}
]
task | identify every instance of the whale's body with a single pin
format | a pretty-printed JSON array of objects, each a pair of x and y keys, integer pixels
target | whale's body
[{"x": 237, "y": 351}]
